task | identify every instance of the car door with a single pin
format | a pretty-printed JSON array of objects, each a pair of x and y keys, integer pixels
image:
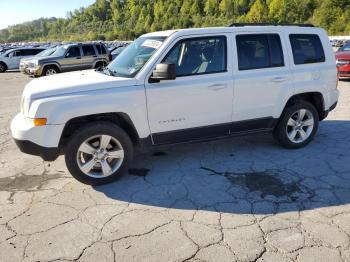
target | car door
[
  {"x": 72, "y": 59},
  {"x": 198, "y": 103},
  {"x": 89, "y": 56},
  {"x": 14, "y": 59},
  {"x": 262, "y": 80}
]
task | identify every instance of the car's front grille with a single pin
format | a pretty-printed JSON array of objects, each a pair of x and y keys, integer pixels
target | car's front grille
[
  {"x": 344, "y": 72},
  {"x": 31, "y": 65}
]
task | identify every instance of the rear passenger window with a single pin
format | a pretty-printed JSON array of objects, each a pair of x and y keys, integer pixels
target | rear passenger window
[
  {"x": 101, "y": 49},
  {"x": 37, "y": 51},
  {"x": 28, "y": 52},
  {"x": 31, "y": 52},
  {"x": 306, "y": 49},
  {"x": 88, "y": 50},
  {"x": 259, "y": 51}
]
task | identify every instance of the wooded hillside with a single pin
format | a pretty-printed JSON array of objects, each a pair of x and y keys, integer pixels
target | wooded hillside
[{"x": 127, "y": 19}]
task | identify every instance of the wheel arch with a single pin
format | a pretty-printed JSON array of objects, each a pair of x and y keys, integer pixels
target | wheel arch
[
  {"x": 315, "y": 98},
  {"x": 99, "y": 61},
  {"x": 119, "y": 118},
  {"x": 3, "y": 63},
  {"x": 53, "y": 64}
]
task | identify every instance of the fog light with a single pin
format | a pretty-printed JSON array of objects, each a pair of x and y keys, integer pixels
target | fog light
[{"x": 39, "y": 121}]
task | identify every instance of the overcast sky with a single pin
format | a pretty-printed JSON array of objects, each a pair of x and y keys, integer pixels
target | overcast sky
[{"x": 18, "y": 11}]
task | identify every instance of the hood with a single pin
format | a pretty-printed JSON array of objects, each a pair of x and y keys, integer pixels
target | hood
[
  {"x": 45, "y": 59},
  {"x": 343, "y": 55},
  {"x": 74, "y": 82},
  {"x": 26, "y": 59}
]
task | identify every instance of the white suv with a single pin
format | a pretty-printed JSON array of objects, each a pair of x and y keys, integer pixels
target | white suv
[{"x": 179, "y": 86}]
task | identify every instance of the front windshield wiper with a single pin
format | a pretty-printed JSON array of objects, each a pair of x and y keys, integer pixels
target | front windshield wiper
[{"x": 106, "y": 70}]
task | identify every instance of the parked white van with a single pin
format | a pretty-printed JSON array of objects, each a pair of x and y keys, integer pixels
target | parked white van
[{"x": 179, "y": 86}]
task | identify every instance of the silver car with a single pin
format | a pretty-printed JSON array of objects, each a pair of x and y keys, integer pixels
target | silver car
[
  {"x": 11, "y": 58},
  {"x": 69, "y": 58}
]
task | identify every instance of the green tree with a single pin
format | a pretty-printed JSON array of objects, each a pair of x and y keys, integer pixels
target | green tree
[{"x": 258, "y": 12}]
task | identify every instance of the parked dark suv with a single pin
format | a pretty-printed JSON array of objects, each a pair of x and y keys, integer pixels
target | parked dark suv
[{"x": 70, "y": 57}]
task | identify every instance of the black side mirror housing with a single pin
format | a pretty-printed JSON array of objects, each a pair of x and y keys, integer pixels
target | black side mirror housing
[{"x": 164, "y": 72}]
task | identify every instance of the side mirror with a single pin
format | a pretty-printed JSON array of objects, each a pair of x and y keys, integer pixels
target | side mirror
[
  {"x": 68, "y": 54},
  {"x": 164, "y": 72}
]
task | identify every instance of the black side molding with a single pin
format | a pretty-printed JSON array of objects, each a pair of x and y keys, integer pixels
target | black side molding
[{"x": 214, "y": 131}]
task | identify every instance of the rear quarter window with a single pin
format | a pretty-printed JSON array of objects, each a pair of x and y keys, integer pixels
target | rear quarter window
[
  {"x": 307, "y": 49},
  {"x": 101, "y": 49}
]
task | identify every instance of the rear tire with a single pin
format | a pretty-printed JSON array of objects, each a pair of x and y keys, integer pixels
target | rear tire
[
  {"x": 98, "y": 153},
  {"x": 3, "y": 67},
  {"x": 297, "y": 126}
]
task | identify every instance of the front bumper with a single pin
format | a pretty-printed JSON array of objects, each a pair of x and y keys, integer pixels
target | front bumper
[
  {"x": 22, "y": 68},
  {"x": 46, "y": 153},
  {"x": 34, "y": 71},
  {"x": 344, "y": 70},
  {"x": 36, "y": 140}
]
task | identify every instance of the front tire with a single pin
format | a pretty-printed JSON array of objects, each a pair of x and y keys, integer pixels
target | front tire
[
  {"x": 50, "y": 70},
  {"x": 297, "y": 125},
  {"x": 3, "y": 67},
  {"x": 98, "y": 153}
]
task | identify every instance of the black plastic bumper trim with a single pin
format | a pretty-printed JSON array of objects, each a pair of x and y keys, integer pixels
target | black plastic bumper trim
[{"x": 46, "y": 153}]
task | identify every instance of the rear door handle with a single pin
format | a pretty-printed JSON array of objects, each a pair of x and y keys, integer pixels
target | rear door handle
[
  {"x": 279, "y": 79},
  {"x": 216, "y": 87}
]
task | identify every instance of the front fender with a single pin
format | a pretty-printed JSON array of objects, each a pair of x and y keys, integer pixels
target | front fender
[{"x": 60, "y": 109}]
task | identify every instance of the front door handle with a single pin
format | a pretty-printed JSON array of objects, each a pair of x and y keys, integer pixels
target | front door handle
[
  {"x": 216, "y": 87},
  {"x": 279, "y": 79}
]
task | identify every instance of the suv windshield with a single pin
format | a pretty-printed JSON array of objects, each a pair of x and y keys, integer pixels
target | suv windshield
[
  {"x": 133, "y": 58},
  {"x": 60, "y": 51},
  {"x": 46, "y": 52}
]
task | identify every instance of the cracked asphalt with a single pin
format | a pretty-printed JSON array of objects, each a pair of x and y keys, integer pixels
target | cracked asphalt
[{"x": 241, "y": 199}]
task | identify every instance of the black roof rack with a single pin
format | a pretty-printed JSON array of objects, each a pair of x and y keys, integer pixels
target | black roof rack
[{"x": 268, "y": 24}]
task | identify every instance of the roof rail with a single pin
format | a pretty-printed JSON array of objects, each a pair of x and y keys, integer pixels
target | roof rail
[{"x": 268, "y": 24}]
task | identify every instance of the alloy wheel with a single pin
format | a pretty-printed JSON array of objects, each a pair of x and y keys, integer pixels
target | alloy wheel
[
  {"x": 100, "y": 156},
  {"x": 51, "y": 72},
  {"x": 300, "y": 126}
]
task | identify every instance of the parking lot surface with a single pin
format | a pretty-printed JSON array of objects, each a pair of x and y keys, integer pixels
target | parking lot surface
[{"x": 240, "y": 199}]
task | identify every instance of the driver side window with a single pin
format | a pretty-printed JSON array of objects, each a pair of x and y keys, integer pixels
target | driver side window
[
  {"x": 15, "y": 53},
  {"x": 73, "y": 52},
  {"x": 198, "y": 56}
]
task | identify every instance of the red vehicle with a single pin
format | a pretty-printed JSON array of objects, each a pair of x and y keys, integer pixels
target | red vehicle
[{"x": 343, "y": 60}]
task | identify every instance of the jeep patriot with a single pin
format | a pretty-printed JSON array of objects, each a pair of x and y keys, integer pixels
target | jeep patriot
[{"x": 181, "y": 86}]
